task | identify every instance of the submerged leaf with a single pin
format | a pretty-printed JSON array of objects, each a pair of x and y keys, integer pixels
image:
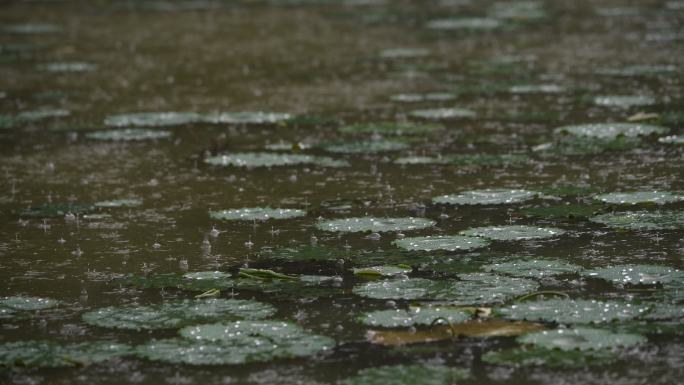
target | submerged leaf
[{"x": 176, "y": 314}]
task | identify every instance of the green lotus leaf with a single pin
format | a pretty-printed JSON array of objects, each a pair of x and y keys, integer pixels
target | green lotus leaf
[
  {"x": 612, "y": 130},
  {"x": 580, "y": 145},
  {"x": 573, "y": 311},
  {"x": 442, "y": 113},
  {"x": 391, "y": 128},
  {"x": 237, "y": 343},
  {"x": 382, "y": 271},
  {"x": 430, "y": 96},
  {"x": 536, "y": 89},
  {"x": 638, "y": 70},
  {"x": 486, "y": 197},
  {"x": 581, "y": 339},
  {"x": 466, "y": 159},
  {"x": 153, "y": 119},
  {"x": 672, "y": 139},
  {"x": 513, "y": 233},
  {"x": 470, "y": 23},
  {"x": 68, "y": 67},
  {"x": 362, "y": 224},
  {"x": 265, "y": 159},
  {"x": 256, "y": 214},
  {"x": 624, "y": 101},
  {"x": 132, "y": 202},
  {"x": 206, "y": 275},
  {"x": 415, "y": 315},
  {"x": 404, "y": 53},
  {"x": 170, "y": 315},
  {"x": 297, "y": 288},
  {"x": 533, "y": 268},
  {"x": 518, "y": 10},
  {"x": 32, "y": 28},
  {"x": 636, "y": 274},
  {"x": 564, "y": 211},
  {"x": 363, "y": 147},
  {"x": 441, "y": 242},
  {"x": 659, "y": 197},
  {"x": 47, "y": 354},
  {"x": 23, "y": 303},
  {"x": 408, "y": 375},
  {"x": 549, "y": 358},
  {"x": 469, "y": 289},
  {"x": 25, "y": 117},
  {"x": 642, "y": 220},
  {"x": 128, "y": 134},
  {"x": 247, "y": 117}
]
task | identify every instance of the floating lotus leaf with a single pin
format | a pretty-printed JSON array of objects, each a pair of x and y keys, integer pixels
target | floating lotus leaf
[
  {"x": 382, "y": 271},
  {"x": 612, "y": 130},
  {"x": 472, "y": 23},
  {"x": 624, "y": 101},
  {"x": 442, "y": 113},
  {"x": 441, "y": 242},
  {"x": 408, "y": 375},
  {"x": 46, "y": 354},
  {"x": 659, "y": 197},
  {"x": 206, "y": 275},
  {"x": 133, "y": 202},
  {"x": 638, "y": 70},
  {"x": 568, "y": 190},
  {"x": 477, "y": 328},
  {"x": 486, "y": 197},
  {"x": 549, "y": 358},
  {"x": 366, "y": 147},
  {"x": 573, "y": 311},
  {"x": 236, "y": 343},
  {"x": 391, "y": 128},
  {"x": 513, "y": 233},
  {"x": 637, "y": 274},
  {"x": 642, "y": 220},
  {"x": 129, "y": 134},
  {"x": 466, "y": 159},
  {"x": 265, "y": 159},
  {"x": 50, "y": 210},
  {"x": 360, "y": 224},
  {"x": 25, "y": 117},
  {"x": 469, "y": 289},
  {"x": 256, "y": 214},
  {"x": 415, "y": 98},
  {"x": 533, "y": 268},
  {"x": 404, "y": 53},
  {"x": 518, "y": 10},
  {"x": 581, "y": 339},
  {"x": 247, "y": 117},
  {"x": 564, "y": 211},
  {"x": 536, "y": 89},
  {"x": 68, "y": 67},
  {"x": 27, "y": 303},
  {"x": 153, "y": 119},
  {"x": 672, "y": 139},
  {"x": 415, "y": 315},
  {"x": 664, "y": 311},
  {"x": 581, "y": 145},
  {"x": 289, "y": 288},
  {"x": 176, "y": 314}
]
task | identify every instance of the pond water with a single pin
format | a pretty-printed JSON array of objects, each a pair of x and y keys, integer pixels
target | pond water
[{"x": 341, "y": 191}]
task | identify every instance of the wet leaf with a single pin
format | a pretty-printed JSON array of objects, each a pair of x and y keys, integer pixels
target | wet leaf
[
  {"x": 537, "y": 89},
  {"x": 68, "y": 67},
  {"x": 24, "y": 303},
  {"x": 441, "y": 242},
  {"x": 636, "y": 274},
  {"x": 246, "y": 117},
  {"x": 479, "y": 329},
  {"x": 265, "y": 159},
  {"x": 624, "y": 101},
  {"x": 175, "y": 314},
  {"x": 391, "y": 128},
  {"x": 48, "y": 354},
  {"x": 131, "y": 202},
  {"x": 533, "y": 268},
  {"x": 153, "y": 119},
  {"x": 415, "y": 315},
  {"x": 486, "y": 197},
  {"x": 256, "y": 214},
  {"x": 581, "y": 339},
  {"x": 513, "y": 233},
  {"x": 128, "y": 134},
  {"x": 572, "y": 311},
  {"x": 612, "y": 130},
  {"x": 658, "y": 197},
  {"x": 52, "y": 210},
  {"x": 442, "y": 113},
  {"x": 642, "y": 220},
  {"x": 564, "y": 211},
  {"x": 363, "y": 224},
  {"x": 236, "y": 343},
  {"x": 430, "y": 97},
  {"x": 382, "y": 271},
  {"x": 473, "y": 23},
  {"x": 672, "y": 139},
  {"x": 466, "y": 159},
  {"x": 362, "y": 147}
]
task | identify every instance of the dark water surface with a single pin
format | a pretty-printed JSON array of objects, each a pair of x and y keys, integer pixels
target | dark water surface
[{"x": 329, "y": 64}]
